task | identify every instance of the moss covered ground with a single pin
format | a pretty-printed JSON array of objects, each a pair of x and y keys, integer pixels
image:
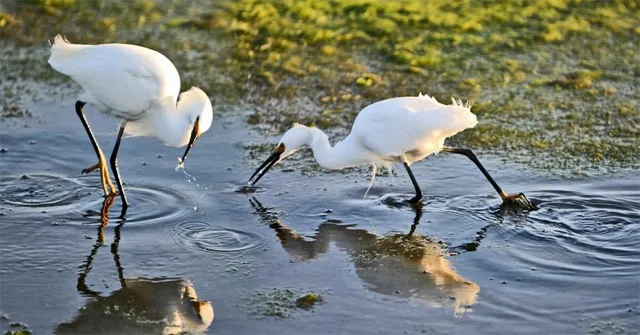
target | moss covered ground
[{"x": 555, "y": 83}]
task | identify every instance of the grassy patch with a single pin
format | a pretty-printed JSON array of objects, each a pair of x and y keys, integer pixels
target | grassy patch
[{"x": 554, "y": 82}]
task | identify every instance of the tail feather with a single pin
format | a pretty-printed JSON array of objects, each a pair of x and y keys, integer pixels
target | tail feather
[
  {"x": 458, "y": 114},
  {"x": 60, "y": 50},
  {"x": 59, "y": 44},
  {"x": 464, "y": 117}
]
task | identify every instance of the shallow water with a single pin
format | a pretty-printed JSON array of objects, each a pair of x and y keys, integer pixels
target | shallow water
[{"x": 463, "y": 265}]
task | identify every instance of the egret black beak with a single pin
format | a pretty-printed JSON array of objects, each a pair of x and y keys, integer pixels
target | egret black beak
[
  {"x": 264, "y": 167},
  {"x": 195, "y": 132}
]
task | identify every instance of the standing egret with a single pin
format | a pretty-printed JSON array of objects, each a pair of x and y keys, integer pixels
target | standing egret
[
  {"x": 398, "y": 130},
  {"x": 141, "y": 87}
]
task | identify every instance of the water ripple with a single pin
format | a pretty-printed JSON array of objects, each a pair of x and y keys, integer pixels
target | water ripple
[
  {"x": 149, "y": 204},
  {"x": 575, "y": 237},
  {"x": 73, "y": 201},
  {"x": 202, "y": 236},
  {"x": 42, "y": 192}
]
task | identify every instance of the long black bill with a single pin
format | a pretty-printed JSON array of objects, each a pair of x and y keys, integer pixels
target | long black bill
[
  {"x": 262, "y": 170},
  {"x": 264, "y": 167},
  {"x": 195, "y": 132}
]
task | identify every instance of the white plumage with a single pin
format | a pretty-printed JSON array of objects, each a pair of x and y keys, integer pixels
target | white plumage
[
  {"x": 137, "y": 85},
  {"x": 403, "y": 130},
  {"x": 398, "y": 130},
  {"x": 408, "y": 129}
]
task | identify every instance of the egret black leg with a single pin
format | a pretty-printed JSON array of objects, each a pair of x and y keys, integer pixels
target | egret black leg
[
  {"x": 418, "y": 196},
  {"x": 474, "y": 159},
  {"x": 114, "y": 166},
  {"x": 107, "y": 186},
  {"x": 518, "y": 199}
]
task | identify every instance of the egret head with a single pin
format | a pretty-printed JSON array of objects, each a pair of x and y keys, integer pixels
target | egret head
[
  {"x": 197, "y": 109},
  {"x": 291, "y": 141}
]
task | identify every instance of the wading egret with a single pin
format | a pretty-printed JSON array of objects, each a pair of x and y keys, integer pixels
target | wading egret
[
  {"x": 398, "y": 130},
  {"x": 141, "y": 87}
]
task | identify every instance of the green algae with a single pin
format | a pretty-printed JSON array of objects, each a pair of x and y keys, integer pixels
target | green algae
[
  {"x": 18, "y": 332},
  {"x": 554, "y": 83},
  {"x": 308, "y": 301},
  {"x": 282, "y": 303},
  {"x": 22, "y": 329}
]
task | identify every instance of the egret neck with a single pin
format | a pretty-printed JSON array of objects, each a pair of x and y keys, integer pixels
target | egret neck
[
  {"x": 173, "y": 124},
  {"x": 343, "y": 154}
]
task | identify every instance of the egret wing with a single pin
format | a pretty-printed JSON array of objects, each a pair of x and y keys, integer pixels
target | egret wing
[
  {"x": 396, "y": 126},
  {"x": 124, "y": 78}
]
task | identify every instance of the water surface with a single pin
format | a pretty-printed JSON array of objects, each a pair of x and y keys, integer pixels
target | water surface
[{"x": 461, "y": 265}]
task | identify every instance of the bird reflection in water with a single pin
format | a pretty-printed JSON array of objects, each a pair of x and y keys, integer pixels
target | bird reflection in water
[
  {"x": 405, "y": 265},
  {"x": 141, "y": 305}
]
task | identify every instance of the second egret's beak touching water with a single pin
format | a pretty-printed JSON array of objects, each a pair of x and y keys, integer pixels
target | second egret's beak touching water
[
  {"x": 195, "y": 133},
  {"x": 264, "y": 167}
]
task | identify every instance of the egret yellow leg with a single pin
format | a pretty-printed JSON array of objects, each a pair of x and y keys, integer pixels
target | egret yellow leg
[{"x": 105, "y": 178}]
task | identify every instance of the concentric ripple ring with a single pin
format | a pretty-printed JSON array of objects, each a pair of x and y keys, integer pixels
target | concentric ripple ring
[
  {"x": 43, "y": 192},
  {"x": 205, "y": 237},
  {"x": 148, "y": 204}
]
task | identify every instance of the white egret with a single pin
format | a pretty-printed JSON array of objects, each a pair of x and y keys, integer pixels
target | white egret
[
  {"x": 141, "y": 87},
  {"x": 398, "y": 130}
]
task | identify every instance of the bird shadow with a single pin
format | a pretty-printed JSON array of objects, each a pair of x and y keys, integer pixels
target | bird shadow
[
  {"x": 399, "y": 264},
  {"x": 139, "y": 305}
]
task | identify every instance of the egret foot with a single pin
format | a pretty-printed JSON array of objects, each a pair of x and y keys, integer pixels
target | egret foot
[
  {"x": 91, "y": 168},
  {"x": 105, "y": 179},
  {"x": 246, "y": 189},
  {"x": 517, "y": 201},
  {"x": 416, "y": 204},
  {"x": 416, "y": 201}
]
